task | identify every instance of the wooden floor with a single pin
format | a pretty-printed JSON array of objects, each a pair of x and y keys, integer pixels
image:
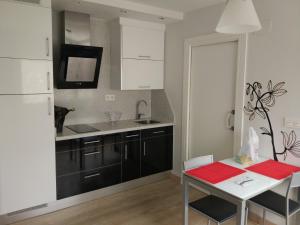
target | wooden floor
[{"x": 157, "y": 203}]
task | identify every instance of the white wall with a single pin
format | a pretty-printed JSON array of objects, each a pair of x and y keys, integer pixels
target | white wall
[
  {"x": 273, "y": 54},
  {"x": 90, "y": 104}
]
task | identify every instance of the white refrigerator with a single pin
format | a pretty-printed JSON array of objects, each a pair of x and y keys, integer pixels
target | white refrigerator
[{"x": 27, "y": 134}]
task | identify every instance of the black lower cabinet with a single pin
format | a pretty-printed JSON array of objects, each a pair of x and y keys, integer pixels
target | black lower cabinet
[
  {"x": 157, "y": 148},
  {"x": 83, "y": 182},
  {"x": 131, "y": 157},
  {"x": 88, "y": 164}
]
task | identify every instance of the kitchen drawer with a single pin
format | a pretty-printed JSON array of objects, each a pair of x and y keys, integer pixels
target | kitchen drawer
[
  {"x": 131, "y": 136},
  {"x": 155, "y": 132},
  {"x": 90, "y": 142},
  {"x": 88, "y": 181}
]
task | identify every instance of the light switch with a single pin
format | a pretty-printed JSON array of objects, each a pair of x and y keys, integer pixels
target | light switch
[{"x": 292, "y": 123}]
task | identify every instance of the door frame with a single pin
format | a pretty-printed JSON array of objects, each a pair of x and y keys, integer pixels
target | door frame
[{"x": 210, "y": 39}]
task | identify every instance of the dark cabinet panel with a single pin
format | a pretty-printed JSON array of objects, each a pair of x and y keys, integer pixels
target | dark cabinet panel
[
  {"x": 157, "y": 148},
  {"x": 131, "y": 161},
  {"x": 88, "y": 181},
  {"x": 68, "y": 162},
  {"x": 112, "y": 149}
]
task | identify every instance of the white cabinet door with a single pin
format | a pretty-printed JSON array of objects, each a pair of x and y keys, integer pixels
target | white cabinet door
[
  {"x": 25, "y": 31},
  {"x": 27, "y": 152},
  {"x": 142, "y": 43},
  {"x": 23, "y": 76},
  {"x": 142, "y": 74}
]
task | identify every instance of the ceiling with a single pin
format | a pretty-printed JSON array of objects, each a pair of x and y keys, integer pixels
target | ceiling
[
  {"x": 162, "y": 11},
  {"x": 178, "y": 5}
]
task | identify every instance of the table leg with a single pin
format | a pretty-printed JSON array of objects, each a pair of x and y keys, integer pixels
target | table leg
[
  {"x": 185, "y": 201},
  {"x": 241, "y": 213}
]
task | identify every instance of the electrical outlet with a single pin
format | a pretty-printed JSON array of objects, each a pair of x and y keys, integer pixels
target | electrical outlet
[{"x": 110, "y": 98}]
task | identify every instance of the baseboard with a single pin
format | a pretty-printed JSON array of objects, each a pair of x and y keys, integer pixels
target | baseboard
[
  {"x": 174, "y": 176},
  {"x": 82, "y": 198}
]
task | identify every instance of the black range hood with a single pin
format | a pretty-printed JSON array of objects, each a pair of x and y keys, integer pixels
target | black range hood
[{"x": 80, "y": 62}]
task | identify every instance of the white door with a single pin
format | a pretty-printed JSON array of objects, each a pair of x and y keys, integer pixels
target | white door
[
  {"x": 212, "y": 97},
  {"x": 25, "y": 31},
  {"x": 23, "y": 76},
  {"x": 143, "y": 43},
  {"x": 27, "y": 152}
]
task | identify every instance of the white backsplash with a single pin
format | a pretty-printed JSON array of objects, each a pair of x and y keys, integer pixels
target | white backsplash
[{"x": 90, "y": 104}]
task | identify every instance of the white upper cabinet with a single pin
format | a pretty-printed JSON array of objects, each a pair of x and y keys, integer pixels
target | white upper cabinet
[
  {"x": 152, "y": 76},
  {"x": 137, "y": 55},
  {"x": 25, "y": 30},
  {"x": 23, "y": 76},
  {"x": 142, "y": 43}
]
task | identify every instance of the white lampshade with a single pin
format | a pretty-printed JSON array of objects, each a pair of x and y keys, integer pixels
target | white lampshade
[{"x": 239, "y": 17}]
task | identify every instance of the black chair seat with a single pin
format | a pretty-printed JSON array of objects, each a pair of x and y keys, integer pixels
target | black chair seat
[
  {"x": 275, "y": 202},
  {"x": 216, "y": 208}
]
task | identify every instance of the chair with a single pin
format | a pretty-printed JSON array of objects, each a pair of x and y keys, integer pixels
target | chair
[
  {"x": 212, "y": 207},
  {"x": 278, "y": 204}
]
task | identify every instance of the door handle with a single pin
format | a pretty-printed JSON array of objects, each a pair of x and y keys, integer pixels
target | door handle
[
  {"x": 145, "y": 151},
  {"x": 92, "y": 153},
  {"x": 130, "y": 136},
  {"x": 47, "y": 47},
  {"x": 126, "y": 152},
  {"x": 91, "y": 142},
  {"x": 49, "y": 106},
  {"x": 228, "y": 120},
  {"x": 91, "y": 176},
  {"x": 145, "y": 56},
  {"x": 144, "y": 87},
  {"x": 159, "y": 132},
  {"x": 48, "y": 81}
]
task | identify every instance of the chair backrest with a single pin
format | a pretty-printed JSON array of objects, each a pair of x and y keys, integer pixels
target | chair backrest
[
  {"x": 295, "y": 181},
  {"x": 197, "y": 162}
]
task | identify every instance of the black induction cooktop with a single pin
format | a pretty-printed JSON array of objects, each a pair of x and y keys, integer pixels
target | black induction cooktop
[{"x": 82, "y": 128}]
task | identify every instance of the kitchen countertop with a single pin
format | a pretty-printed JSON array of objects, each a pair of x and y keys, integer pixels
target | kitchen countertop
[{"x": 110, "y": 128}]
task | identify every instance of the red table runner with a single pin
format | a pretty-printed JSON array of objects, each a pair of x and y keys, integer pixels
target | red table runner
[
  {"x": 215, "y": 173},
  {"x": 274, "y": 169}
]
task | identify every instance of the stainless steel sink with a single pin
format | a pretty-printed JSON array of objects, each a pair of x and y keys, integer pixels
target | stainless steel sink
[{"x": 147, "y": 121}]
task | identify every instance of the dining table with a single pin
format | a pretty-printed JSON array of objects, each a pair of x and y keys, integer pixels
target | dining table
[{"x": 231, "y": 189}]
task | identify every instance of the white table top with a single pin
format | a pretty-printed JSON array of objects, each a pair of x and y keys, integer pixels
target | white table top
[{"x": 259, "y": 184}]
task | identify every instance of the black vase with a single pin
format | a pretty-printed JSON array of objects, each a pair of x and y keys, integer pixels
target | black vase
[{"x": 60, "y": 115}]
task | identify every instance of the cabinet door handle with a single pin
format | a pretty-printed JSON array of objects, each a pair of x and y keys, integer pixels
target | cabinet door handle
[
  {"x": 91, "y": 142},
  {"x": 49, "y": 107},
  {"x": 145, "y": 56},
  {"x": 47, "y": 47},
  {"x": 145, "y": 151},
  {"x": 48, "y": 81},
  {"x": 145, "y": 87},
  {"x": 91, "y": 176},
  {"x": 126, "y": 152},
  {"x": 130, "y": 136},
  {"x": 92, "y": 153},
  {"x": 159, "y": 132}
]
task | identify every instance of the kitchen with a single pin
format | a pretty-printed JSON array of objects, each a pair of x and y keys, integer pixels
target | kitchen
[{"x": 94, "y": 94}]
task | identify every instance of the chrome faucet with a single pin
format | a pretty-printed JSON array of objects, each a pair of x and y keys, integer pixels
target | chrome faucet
[{"x": 138, "y": 114}]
